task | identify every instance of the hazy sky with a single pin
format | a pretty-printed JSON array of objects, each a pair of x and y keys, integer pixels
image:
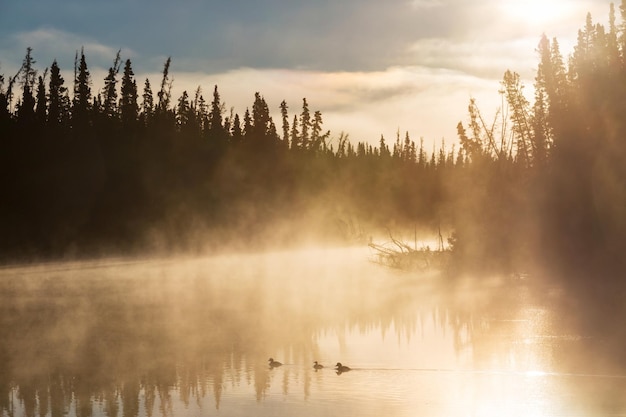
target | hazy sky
[{"x": 371, "y": 66}]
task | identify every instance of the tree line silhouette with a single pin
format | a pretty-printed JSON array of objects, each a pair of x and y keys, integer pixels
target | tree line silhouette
[
  {"x": 542, "y": 184},
  {"x": 110, "y": 172}
]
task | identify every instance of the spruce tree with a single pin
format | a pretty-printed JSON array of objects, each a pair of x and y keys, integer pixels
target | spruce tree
[
  {"x": 215, "y": 116},
  {"x": 236, "y": 131},
  {"x": 614, "y": 57},
  {"x": 26, "y": 107},
  {"x": 81, "y": 105},
  {"x": 201, "y": 112},
  {"x": 285, "y": 119},
  {"x": 41, "y": 108},
  {"x": 183, "y": 110},
  {"x": 109, "y": 102},
  {"x": 305, "y": 122},
  {"x": 58, "y": 100},
  {"x": 129, "y": 108},
  {"x": 164, "y": 93},
  {"x": 260, "y": 117},
  {"x": 147, "y": 105},
  {"x": 295, "y": 135},
  {"x": 542, "y": 131},
  {"x": 520, "y": 117},
  {"x": 316, "y": 128},
  {"x": 247, "y": 125}
]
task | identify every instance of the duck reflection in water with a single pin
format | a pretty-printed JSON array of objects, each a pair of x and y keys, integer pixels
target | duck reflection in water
[
  {"x": 317, "y": 366},
  {"x": 273, "y": 363},
  {"x": 341, "y": 368}
]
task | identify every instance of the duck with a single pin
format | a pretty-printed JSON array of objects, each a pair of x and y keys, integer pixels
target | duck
[
  {"x": 317, "y": 366},
  {"x": 273, "y": 363},
  {"x": 341, "y": 368}
]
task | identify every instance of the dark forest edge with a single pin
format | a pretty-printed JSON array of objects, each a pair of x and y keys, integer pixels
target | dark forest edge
[{"x": 541, "y": 187}]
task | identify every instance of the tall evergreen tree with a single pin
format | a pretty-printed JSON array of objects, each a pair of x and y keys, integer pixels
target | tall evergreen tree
[
  {"x": 28, "y": 73},
  {"x": 109, "y": 102},
  {"x": 614, "y": 58},
  {"x": 41, "y": 110},
  {"x": 58, "y": 100},
  {"x": 201, "y": 112},
  {"x": 247, "y": 125},
  {"x": 183, "y": 111},
  {"x": 581, "y": 60},
  {"x": 285, "y": 119},
  {"x": 397, "y": 146},
  {"x": 26, "y": 107},
  {"x": 384, "y": 149},
  {"x": 165, "y": 91},
  {"x": 147, "y": 105},
  {"x": 520, "y": 116},
  {"x": 316, "y": 130},
  {"x": 295, "y": 135},
  {"x": 81, "y": 105},
  {"x": 556, "y": 83},
  {"x": 305, "y": 122},
  {"x": 542, "y": 130},
  {"x": 216, "y": 126},
  {"x": 318, "y": 140},
  {"x": 421, "y": 155},
  {"x": 261, "y": 119},
  {"x": 129, "y": 108}
]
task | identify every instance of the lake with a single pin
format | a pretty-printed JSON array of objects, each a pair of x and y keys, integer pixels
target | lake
[{"x": 192, "y": 337}]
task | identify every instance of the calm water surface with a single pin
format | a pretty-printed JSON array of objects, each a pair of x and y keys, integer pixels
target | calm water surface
[{"x": 192, "y": 337}]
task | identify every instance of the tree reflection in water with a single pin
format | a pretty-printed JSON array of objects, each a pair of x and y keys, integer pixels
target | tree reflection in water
[{"x": 124, "y": 338}]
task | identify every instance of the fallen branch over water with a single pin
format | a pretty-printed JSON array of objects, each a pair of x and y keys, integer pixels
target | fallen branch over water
[{"x": 397, "y": 254}]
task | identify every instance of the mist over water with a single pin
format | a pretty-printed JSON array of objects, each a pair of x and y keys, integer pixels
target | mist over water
[{"x": 193, "y": 337}]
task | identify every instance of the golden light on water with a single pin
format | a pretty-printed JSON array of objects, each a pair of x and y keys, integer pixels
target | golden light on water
[
  {"x": 535, "y": 373},
  {"x": 206, "y": 327}
]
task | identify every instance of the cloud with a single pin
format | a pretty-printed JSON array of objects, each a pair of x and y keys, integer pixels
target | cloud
[
  {"x": 328, "y": 36},
  {"x": 426, "y": 4},
  {"x": 370, "y": 66},
  {"x": 424, "y": 101},
  {"x": 486, "y": 59},
  {"x": 347, "y": 35},
  {"x": 49, "y": 44}
]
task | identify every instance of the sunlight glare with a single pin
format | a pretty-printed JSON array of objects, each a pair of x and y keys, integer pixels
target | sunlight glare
[
  {"x": 535, "y": 373},
  {"x": 537, "y": 12}
]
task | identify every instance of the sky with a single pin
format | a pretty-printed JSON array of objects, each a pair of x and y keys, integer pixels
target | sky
[{"x": 371, "y": 67}]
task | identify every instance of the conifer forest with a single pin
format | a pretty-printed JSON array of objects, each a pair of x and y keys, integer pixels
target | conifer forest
[{"x": 130, "y": 169}]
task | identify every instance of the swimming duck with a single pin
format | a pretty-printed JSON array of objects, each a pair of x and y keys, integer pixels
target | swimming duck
[
  {"x": 341, "y": 368},
  {"x": 273, "y": 363},
  {"x": 317, "y": 366}
]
